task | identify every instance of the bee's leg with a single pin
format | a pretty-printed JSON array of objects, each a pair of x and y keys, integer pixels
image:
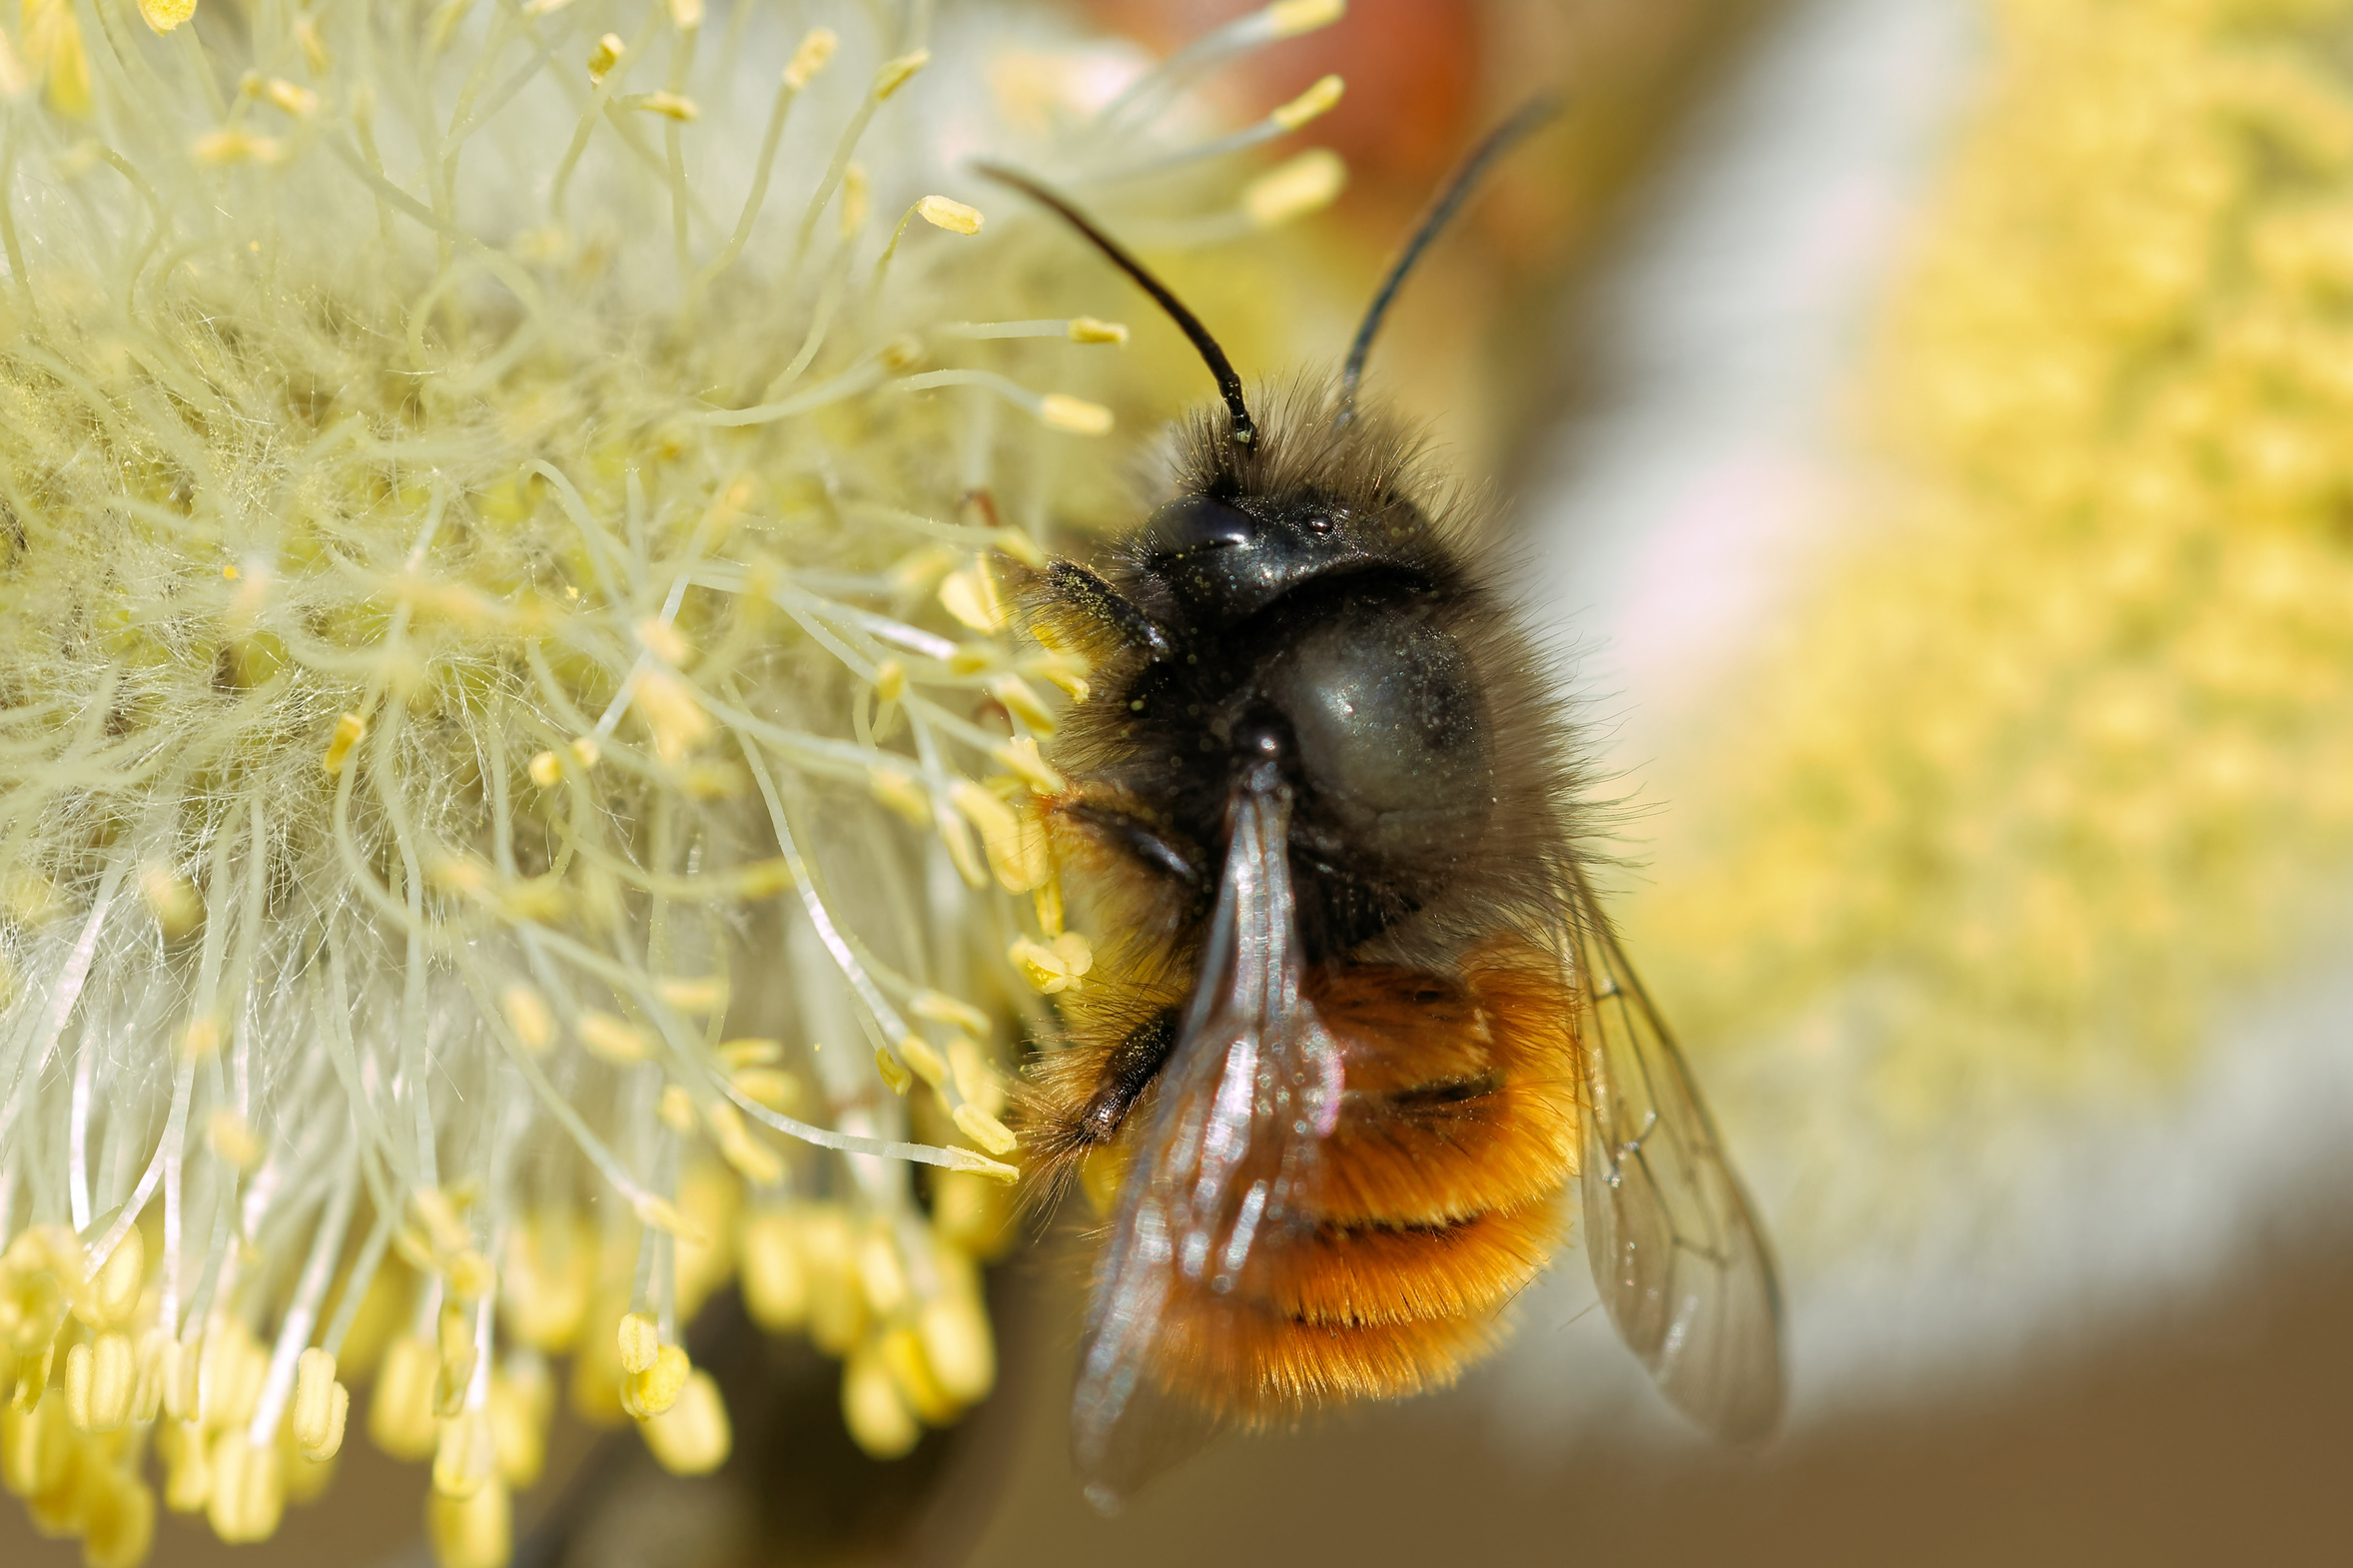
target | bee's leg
[
  {"x": 1083, "y": 590},
  {"x": 1133, "y": 1063}
]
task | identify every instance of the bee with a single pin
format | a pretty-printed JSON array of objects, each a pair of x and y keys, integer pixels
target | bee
[{"x": 1372, "y": 1022}]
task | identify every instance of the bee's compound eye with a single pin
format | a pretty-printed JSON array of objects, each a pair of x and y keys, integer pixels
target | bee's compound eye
[{"x": 1196, "y": 523}]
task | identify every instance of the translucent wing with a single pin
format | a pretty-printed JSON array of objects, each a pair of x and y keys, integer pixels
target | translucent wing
[
  {"x": 1677, "y": 1253},
  {"x": 1248, "y": 1094}
]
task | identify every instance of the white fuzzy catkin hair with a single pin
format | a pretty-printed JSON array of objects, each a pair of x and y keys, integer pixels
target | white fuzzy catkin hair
[{"x": 502, "y": 709}]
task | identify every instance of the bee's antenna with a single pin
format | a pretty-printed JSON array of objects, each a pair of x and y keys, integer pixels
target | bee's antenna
[
  {"x": 1246, "y": 430},
  {"x": 1450, "y": 195}
]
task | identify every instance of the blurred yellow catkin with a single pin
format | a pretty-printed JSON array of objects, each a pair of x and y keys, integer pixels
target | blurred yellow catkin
[{"x": 2059, "y": 753}]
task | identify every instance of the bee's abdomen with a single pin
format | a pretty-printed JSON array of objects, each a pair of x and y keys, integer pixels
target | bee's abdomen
[{"x": 1434, "y": 1201}]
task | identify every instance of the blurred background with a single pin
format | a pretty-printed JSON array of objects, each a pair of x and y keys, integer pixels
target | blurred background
[{"x": 1920, "y": 426}]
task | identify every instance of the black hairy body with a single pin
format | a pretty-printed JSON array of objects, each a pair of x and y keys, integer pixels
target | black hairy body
[
  {"x": 1358, "y": 1021},
  {"x": 1318, "y": 597}
]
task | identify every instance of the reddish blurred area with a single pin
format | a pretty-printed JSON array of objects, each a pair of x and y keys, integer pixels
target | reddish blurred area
[
  {"x": 1425, "y": 79},
  {"x": 1413, "y": 69}
]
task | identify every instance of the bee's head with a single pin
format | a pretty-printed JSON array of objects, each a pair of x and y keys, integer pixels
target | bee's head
[{"x": 1226, "y": 558}]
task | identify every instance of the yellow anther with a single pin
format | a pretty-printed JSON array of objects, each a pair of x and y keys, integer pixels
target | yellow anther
[
  {"x": 902, "y": 1353},
  {"x": 300, "y": 101},
  {"x": 188, "y": 1466},
  {"x": 753, "y": 1159},
  {"x": 692, "y": 1436},
  {"x": 550, "y": 1267},
  {"x": 664, "y": 1216},
  {"x": 890, "y": 681},
  {"x": 640, "y": 1339},
  {"x": 172, "y": 898},
  {"x": 750, "y": 1051},
  {"x": 455, "y": 1343},
  {"x": 163, "y": 15},
  {"x": 816, "y": 47},
  {"x": 1089, "y": 328},
  {"x": 1015, "y": 844},
  {"x": 775, "y": 1088},
  {"x": 1019, "y": 756},
  {"x": 971, "y": 596},
  {"x": 1022, "y": 700},
  {"x": 763, "y": 878},
  {"x": 154, "y": 1349},
  {"x": 112, "y": 1295},
  {"x": 474, "y": 1531},
  {"x": 975, "y": 1080},
  {"x": 1065, "y": 671},
  {"x": 1317, "y": 100},
  {"x": 1289, "y": 18},
  {"x": 686, "y": 15},
  {"x": 585, "y": 751},
  {"x": 940, "y": 1008},
  {"x": 466, "y": 1456},
  {"x": 699, "y": 994},
  {"x": 546, "y": 770},
  {"x": 232, "y": 1141},
  {"x": 36, "y": 1447},
  {"x": 1015, "y": 542},
  {"x": 321, "y": 1405},
  {"x": 315, "y": 54},
  {"x": 470, "y": 1275},
  {"x": 118, "y": 1521},
  {"x": 613, "y": 1039},
  {"x": 237, "y": 147},
  {"x": 942, "y": 213},
  {"x": 674, "y": 712},
  {"x": 528, "y": 1015},
  {"x": 100, "y": 1376},
  {"x": 182, "y": 1370},
  {"x": 1060, "y": 411},
  {"x": 894, "y": 72},
  {"x": 857, "y": 201},
  {"x": 985, "y": 1129},
  {"x": 957, "y": 1346},
  {"x": 871, "y": 1408},
  {"x": 230, "y": 1371},
  {"x": 459, "y": 874},
  {"x": 306, "y": 1478},
  {"x": 249, "y": 1488},
  {"x": 649, "y": 1392},
  {"x": 1056, "y": 968},
  {"x": 894, "y": 1072},
  {"x": 606, "y": 55},
  {"x": 678, "y": 1111},
  {"x": 1295, "y": 187},
  {"x": 710, "y": 1198},
  {"x": 882, "y": 1273},
  {"x": 440, "y": 1214},
  {"x": 775, "y": 1283},
  {"x": 348, "y": 731},
  {"x": 928, "y": 1064},
  {"x": 971, "y": 1211},
  {"x": 522, "y": 1397},
  {"x": 900, "y": 792},
  {"x": 53, "y": 45},
  {"x": 663, "y": 640}
]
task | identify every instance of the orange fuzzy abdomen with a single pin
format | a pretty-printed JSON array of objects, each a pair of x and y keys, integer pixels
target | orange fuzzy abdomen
[{"x": 1435, "y": 1200}]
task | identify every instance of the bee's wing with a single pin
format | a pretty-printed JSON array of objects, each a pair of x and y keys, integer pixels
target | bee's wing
[
  {"x": 1677, "y": 1253},
  {"x": 1248, "y": 1094}
]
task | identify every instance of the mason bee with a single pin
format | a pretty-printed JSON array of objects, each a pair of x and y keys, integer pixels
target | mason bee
[{"x": 1371, "y": 1021}]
